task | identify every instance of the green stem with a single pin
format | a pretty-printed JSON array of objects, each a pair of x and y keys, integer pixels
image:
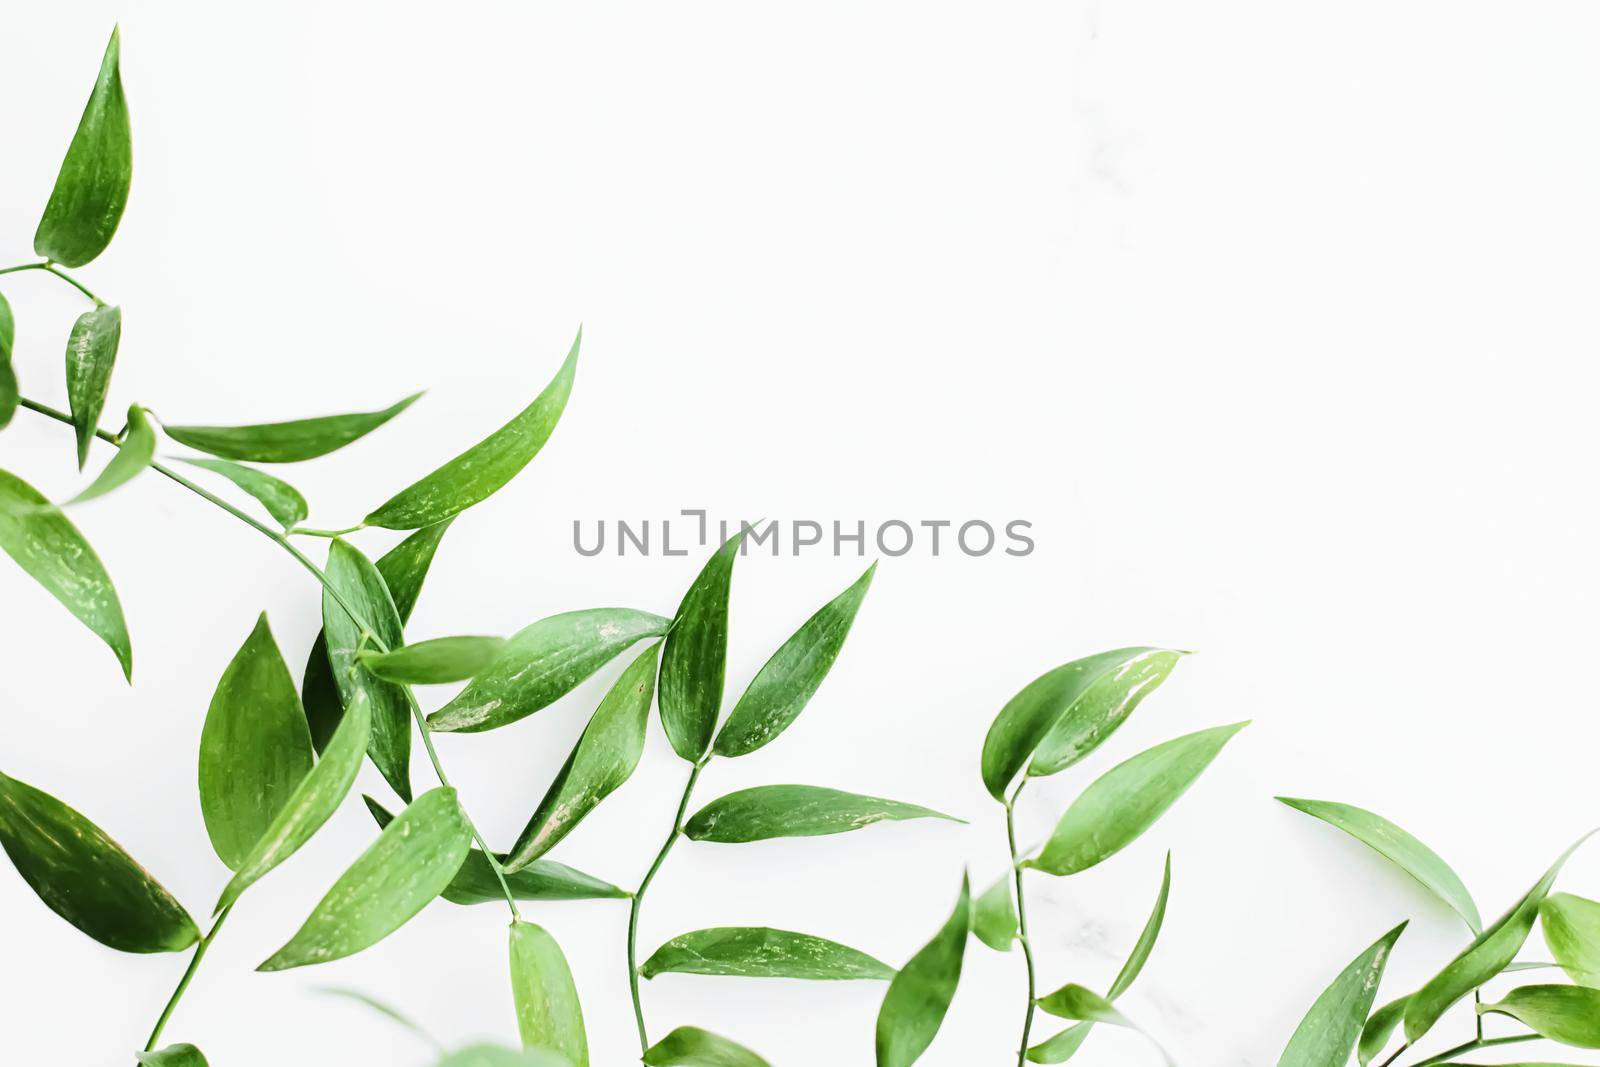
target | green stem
[
  {"x": 307, "y": 531},
  {"x": 50, "y": 268},
  {"x": 188, "y": 976},
  {"x": 1474, "y": 1046},
  {"x": 1022, "y": 923},
  {"x": 638, "y": 899}
]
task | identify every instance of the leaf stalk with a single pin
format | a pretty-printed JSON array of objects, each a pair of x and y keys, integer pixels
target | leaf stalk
[{"x": 1022, "y": 922}]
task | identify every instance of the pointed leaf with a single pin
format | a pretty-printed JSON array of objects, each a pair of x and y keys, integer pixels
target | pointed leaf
[
  {"x": 1127, "y": 800},
  {"x": 8, "y": 373},
  {"x": 495, "y": 1056},
  {"x": 485, "y": 467},
  {"x": 388, "y": 1011},
  {"x": 690, "y": 1046},
  {"x": 1102, "y": 708},
  {"x": 548, "y": 1013},
  {"x": 1328, "y": 1033},
  {"x": 138, "y": 449},
  {"x": 1147, "y": 938},
  {"x": 286, "y": 442},
  {"x": 282, "y": 500},
  {"x": 762, "y": 952},
  {"x": 173, "y": 1056},
  {"x": 1076, "y": 1002},
  {"x": 1565, "y": 1013},
  {"x": 695, "y": 657},
  {"x": 92, "y": 187},
  {"x": 1572, "y": 930},
  {"x": 85, "y": 877},
  {"x": 1379, "y": 1029},
  {"x": 768, "y": 811},
  {"x": 919, "y": 996},
  {"x": 441, "y": 660},
  {"x": 994, "y": 915},
  {"x": 362, "y": 588},
  {"x": 91, "y": 354},
  {"x": 1063, "y": 1046}
]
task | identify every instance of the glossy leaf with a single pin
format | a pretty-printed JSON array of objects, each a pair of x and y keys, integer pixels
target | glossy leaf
[
  {"x": 286, "y": 442},
  {"x": 690, "y": 1046},
  {"x": 1125, "y": 801},
  {"x": 1379, "y": 1029},
  {"x": 1565, "y": 1013},
  {"x": 254, "y": 749},
  {"x": 435, "y": 662},
  {"x": 1330, "y": 1030},
  {"x": 91, "y": 355},
  {"x": 8, "y": 373},
  {"x": 603, "y": 759},
  {"x": 543, "y": 663},
  {"x": 994, "y": 915},
  {"x": 495, "y": 1056},
  {"x": 485, "y": 467},
  {"x": 695, "y": 657},
  {"x": 1399, "y": 848},
  {"x": 362, "y": 588},
  {"x": 919, "y": 996},
  {"x": 411, "y": 862},
  {"x": 51, "y": 550},
  {"x": 91, "y": 188},
  {"x": 762, "y": 952},
  {"x": 85, "y": 877},
  {"x": 173, "y": 1056},
  {"x": 313, "y": 802},
  {"x": 769, "y": 811},
  {"x": 138, "y": 449},
  {"x": 788, "y": 681},
  {"x": 1076, "y": 1002},
  {"x": 282, "y": 500},
  {"x": 1107, "y": 703},
  {"x": 1572, "y": 930},
  {"x": 548, "y": 1013}
]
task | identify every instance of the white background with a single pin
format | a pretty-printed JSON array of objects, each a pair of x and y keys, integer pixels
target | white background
[{"x": 1276, "y": 319}]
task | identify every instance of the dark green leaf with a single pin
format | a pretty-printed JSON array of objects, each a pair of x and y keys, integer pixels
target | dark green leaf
[
  {"x": 361, "y": 587},
  {"x": 8, "y": 373},
  {"x": 1328, "y": 1033},
  {"x": 92, "y": 187},
  {"x": 543, "y": 663},
  {"x": 1103, "y": 706},
  {"x": 91, "y": 353},
  {"x": 994, "y": 915},
  {"x": 1572, "y": 930},
  {"x": 1565, "y": 1013},
  {"x": 286, "y": 442},
  {"x": 441, "y": 660},
  {"x": 768, "y": 811},
  {"x": 762, "y": 952},
  {"x": 919, "y": 996},
  {"x": 254, "y": 749},
  {"x": 173, "y": 1056},
  {"x": 782, "y": 688},
  {"x": 485, "y": 467},
  {"x": 1379, "y": 1028},
  {"x": 690, "y": 1046},
  {"x": 85, "y": 877},
  {"x": 411, "y": 862},
  {"x": 1076, "y": 1002},
  {"x": 45, "y": 544},
  {"x": 138, "y": 449},
  {"x": 695, "y": 657},
  {"x": 548, "y": 1013},
  {"x": 282, "y": 500}
]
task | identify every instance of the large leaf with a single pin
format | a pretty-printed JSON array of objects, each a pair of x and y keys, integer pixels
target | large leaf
[
  {"x": 254, "y": 749},
  {"x": 286, "y": 442},
  {"x": 994, "y": 915},
  {"x": 92, "y": 187},
  {"x": 1076, "y": 1002},
  {"x": 282, "y": 500},
  {"x": 45, "y": 544},
  {"x": 1328, "y": 1033},
  {"x": 919, "y": 996},
  {"x": 1125, "y": 801},
  {"x": 690, "y": 1046},
  {"x": 435, "y": 662},
  {"x": 362, "y": 588},
  {"x": 1572, "y": 930},
  {"x": 411, "y": 862},
  {"x": 543, "y": 663},
  {"x": 138, "y": 449},
  {"x": 695, "y": 657},
  {"x": 8, "y": 373},
  {"x": 486, "y": 466},
  {"x": 91, "y": 354},
  {"x": 173, "y": 1056},
  {"x": 548, "y": 1013},
  {"x": 603, "y": 759},
  {"x": 1103, "y": 707},
  {"x": 1565, "y": 1013},
  {"x": 313, "y": 802},
  {"x": 762, "y": 952},
  {"x": 85, "y": 877},
  {"x": 783, "y": 687},
  {"x": 768, "y": 811},
  {"x": 1379, "y": 1028},
  {"x": 1399, "y": 848}
]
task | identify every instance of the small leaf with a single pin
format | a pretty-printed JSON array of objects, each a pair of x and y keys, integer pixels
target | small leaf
[
  {"x": 1104, "y": 706},
  {"x": 92, "y": 187},
  {"x": 495, "y": 1056},
  {"x": 1063, "y": 1046},
  {"x": 994, "y": 916},
  {"x": 919, "y": 996},
  {"x": 138, "y": 449},
  {"x": 91, "y": 354},
  {"x": 1125, "y": 801},
  {"x": 690, "y": 1046},
  {"x": 45, "y": 544},
  {"x": 1379, "y": 1029},
  {"x": 484, "y": 468},
  {"x": 441, "y": 660},
  {"x": 1076, "y": 1002},
  {"x": 1572, "y": 930},
  {"x": 1328, "y": 1033},
  {"x": 543, "y": 663},
  {"x": 762, "y": 952},
  {"x": 768, "y": 811},
  {"x": 254, "y": 749},
  {"x": 282, "y": 500},
  {"x": 1564, "y": 1013},
  {"x": 388, "y": 1011},
  {"x": 1399, "y": 848},
  {"x": 695, "y": 657},
  {"x": 286, "y": 442},
  {"x": 312, "y": 803},
  {"x": 788, "y": 681},
  {"x": 85, "y": 877},
  {"x": 173, "y": 1056},
  {"x": 361, "y": 586},
  {"x": 548, "y": 1013},
  {"x": 411, "y": 862},
  {"x": 1147, "y": 938},
  {"x": 8, "y": 373},
  {"x": 604, "y": 758}
]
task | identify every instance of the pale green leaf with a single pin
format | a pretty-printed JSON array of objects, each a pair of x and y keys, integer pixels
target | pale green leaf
[
  {"x": 133, "y": 457},
  {"x": 994, "y": 915},
  {"x": 1565, "y": 1013},
  {"x": 1330, "y": 1030},
  {"x": 690, "y": 1046},
  {"x": 282, "y": 500},
  {"x": 435, "y": 662},
  {"x": 1572, "y": 930},
  {"x": 173, "y": 1056},
  {"x": 1076, "y": 1002},
  {"x": 549, "y": 1016}
]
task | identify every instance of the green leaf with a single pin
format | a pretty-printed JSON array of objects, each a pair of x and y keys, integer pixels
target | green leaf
[
  {"x": 543, "y": 663},
  {"x": 388, "y": 1011},
  {"x": 138, "y": 449},
  {"x": 788, "y": 681},
  {"x": 1032, "y": 716},
  {"x": 92, "y": 187},
  {"x": 313, "y": 802},
  {"x": 762, "y": 952},
  {"x": 173, "y": 1056},
  {"x": 441, "y": 660},
  {"x": 362, "y": 588},
  {"x": 1565, "y": 1013},
  {"x": 85, "y": 877},
  {"x": 282, "y": 500},
  {"x": 994, "y": 915},
  {"x": 286, "y": 442},
  {"x": 1328, "y": 1033},
  {"x": 1486, "y": 957},
  {"x": 919, "y": 996},
  {"x": 1399, "y": 848},
  {"x": 548, "y": 1013},
  {"x": 1076, "y": 1002},
  {"x": 8, "y": 373},
  {"x": 411, "y": 862},
  {"x": 1379, "y": 1028},
  {"x": 695, "y": 657},
  {"x": 1063, "y": 1046},
  {"x": 769, "y": 811},
  {"x": 91, "y": 353},
  {"x": 601, "y": 762},
  {"x": 1572, "y": 930},
  {"x": 1125, "y": 801},
  {"x": 254, "y": 749},
  {"x": 495, "y": 1056},
  {"x": 485, "y": 467},
  {"x": 45, "y": 544},
  {"x": 690, "y": 1046}
]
